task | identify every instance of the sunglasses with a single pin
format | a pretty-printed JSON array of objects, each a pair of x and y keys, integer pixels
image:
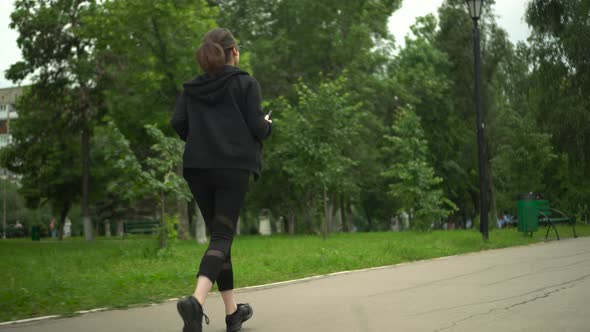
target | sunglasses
[{"x": 237, "y": 47}]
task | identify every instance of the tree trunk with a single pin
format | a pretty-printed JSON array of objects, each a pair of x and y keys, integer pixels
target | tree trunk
[
  {"x": 308, "y": 212},
  {"x": 62, "y": 220},
  {"x": 326, "y": 216},
  {"x": 369, "y": 220},
  {"x": 85, "y": 175},
  {"x": 475, "y": 201},
  {"x": 163, "y": 230},
  {"x": 183, "y": 226},
  {"x": 328, "y": 212},
  {"x": 264, "y": 222},
  {"x": 493, "y": 208},
  {"x": 279, "y": 225},
  {"x": 107, "y": 228},
  {"x": 120, "y": 228},
  {"x": 334, "y": 224},
  {"x": 238, "y": 232},
  {"x": 200, "y": 228},
  {"x": 343, "y": 215},
  {"x": 349, "y": 222},
  {"x": 291, "y": 223},
  {"x": 336, "y": 220},
  {"x": 4, "y": 210}
]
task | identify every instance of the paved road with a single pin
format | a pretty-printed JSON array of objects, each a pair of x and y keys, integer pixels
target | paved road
[{"x": 543, "y": 287}]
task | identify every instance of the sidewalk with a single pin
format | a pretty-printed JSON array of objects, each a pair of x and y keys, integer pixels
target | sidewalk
[{"x": 543, "y": 287}]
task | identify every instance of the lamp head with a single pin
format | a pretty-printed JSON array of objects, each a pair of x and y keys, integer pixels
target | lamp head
[{"x": 475, "y": 8}]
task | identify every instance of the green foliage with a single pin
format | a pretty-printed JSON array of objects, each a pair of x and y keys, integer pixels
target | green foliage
[
  {"x": 52, "y": 41},
  {"x": 45, "y": 151},
  {"x": 560, "y": 79},
  {"x": 423, "y": 72},
  {"x": 161, "y": 169},
  {"x": 57, "y": 54},
  {"x": 158, "y": 174},
  {"x": 413, "y": 183},
  {"x": 304, "y": 38},
  {"x": 171, "y": 224},
  {"x": 17, "y": 210},
  {"x": 329, "y": 72},
  {"x": 125, "y": 181},
  {"x": 147, "y": 50},
  {"x": 319, "y": 131},
  {"x": 521, "y": 147}
]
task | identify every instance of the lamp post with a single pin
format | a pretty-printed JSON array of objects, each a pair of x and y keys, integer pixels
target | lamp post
[
  {"x": 5, "y": 177},
  {"x": 475, "y": 8}
]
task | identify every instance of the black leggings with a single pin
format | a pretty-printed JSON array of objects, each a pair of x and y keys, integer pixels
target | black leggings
[{"x": 220, "y": 194}]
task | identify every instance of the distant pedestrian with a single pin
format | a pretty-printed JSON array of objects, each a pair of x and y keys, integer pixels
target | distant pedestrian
[
  {"x": 52, "y": 228},
  {"x": 506, "y": 220},
  {"x": 220, "y": 118}
]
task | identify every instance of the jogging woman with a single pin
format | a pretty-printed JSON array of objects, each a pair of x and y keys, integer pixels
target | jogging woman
[{"x": 219, "y": 116}]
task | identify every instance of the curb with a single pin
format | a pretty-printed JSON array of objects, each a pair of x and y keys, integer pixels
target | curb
[{"x": 268, "y": 286}]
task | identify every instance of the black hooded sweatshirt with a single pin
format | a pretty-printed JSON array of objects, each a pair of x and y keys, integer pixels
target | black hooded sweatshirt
[{"x": 221, "y": 120}]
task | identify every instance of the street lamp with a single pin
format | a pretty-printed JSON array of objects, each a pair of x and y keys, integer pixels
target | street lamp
[
  {"x": 5, "y": 177},
  {"x": 5, "y": 180},
  {"x": 475, "y": 7}
]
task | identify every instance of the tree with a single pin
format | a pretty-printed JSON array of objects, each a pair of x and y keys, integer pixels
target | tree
[
  {"x": 146, "y": 49},
  {"x": 161, "y": 173},
  {"x": 314, "y": 41},
  {"x": 157, "y": 178},
  {"x": 305, "y": 38},
  {"x": 122, "y": 184},
  {"x": 57, "y": 51},
  {"x": 323, "y": 126},
  {"x": 412, "y": 180},
  {"x": 454, "y": 39},
  {"x": 521, "y": 151},
  {"x": 44, "y": 151},
  {"x": 560, "y": 81},
  {"x": 422, "y": 74}
]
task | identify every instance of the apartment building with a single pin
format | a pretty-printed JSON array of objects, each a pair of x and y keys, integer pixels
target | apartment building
[{"x": 8, "y": 97}]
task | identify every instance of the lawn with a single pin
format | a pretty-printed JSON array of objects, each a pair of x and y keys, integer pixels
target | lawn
[{"x": 50, "y": 277}]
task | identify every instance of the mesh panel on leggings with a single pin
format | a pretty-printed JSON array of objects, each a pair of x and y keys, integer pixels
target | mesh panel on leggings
[
  {"x": 216, "y": 253},
  {"x": 226, "y": 222}
]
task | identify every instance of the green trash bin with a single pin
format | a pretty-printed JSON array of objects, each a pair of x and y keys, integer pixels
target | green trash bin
[
  {"x": 528, "y": 221},
  {"x": 36, "y": 233}
]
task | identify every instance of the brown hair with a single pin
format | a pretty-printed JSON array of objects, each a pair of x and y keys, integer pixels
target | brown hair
[{"x": 215, "y": 50}]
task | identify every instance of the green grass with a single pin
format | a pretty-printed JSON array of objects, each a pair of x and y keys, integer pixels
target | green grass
[{"x": 50, "y": 277}]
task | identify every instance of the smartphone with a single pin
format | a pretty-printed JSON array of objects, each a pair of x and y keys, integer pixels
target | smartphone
[{"x": 269, "y": 114}]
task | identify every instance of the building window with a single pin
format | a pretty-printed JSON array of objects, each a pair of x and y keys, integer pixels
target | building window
[{"x": 3, "y": 127}]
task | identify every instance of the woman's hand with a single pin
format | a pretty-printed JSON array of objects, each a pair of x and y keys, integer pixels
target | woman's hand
[{"x": 267, "y": 118}]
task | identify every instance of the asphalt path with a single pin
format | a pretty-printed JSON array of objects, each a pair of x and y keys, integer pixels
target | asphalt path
[{"x": 541, "y": 287}]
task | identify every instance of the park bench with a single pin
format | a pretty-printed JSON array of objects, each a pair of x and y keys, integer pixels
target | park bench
[
  {"x": 141, "y": 226},
  {"x": 550, "y": 216}
]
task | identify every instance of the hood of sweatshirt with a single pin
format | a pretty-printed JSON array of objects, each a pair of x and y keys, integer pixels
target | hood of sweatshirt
[{"x": 211, "y": 89}]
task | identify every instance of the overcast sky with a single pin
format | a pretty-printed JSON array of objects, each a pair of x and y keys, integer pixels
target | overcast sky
[{"x": 510, "y": 16}]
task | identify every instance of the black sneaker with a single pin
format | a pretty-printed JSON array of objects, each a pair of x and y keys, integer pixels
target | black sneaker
[
  {"x": 235, "y": 320},
  {"x": 192, "y": 314}
]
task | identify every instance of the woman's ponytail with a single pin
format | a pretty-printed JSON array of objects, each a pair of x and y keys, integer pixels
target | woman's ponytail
[
  {"x": 215, "y": 51},
  {"x": 211, "y": 57}
]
